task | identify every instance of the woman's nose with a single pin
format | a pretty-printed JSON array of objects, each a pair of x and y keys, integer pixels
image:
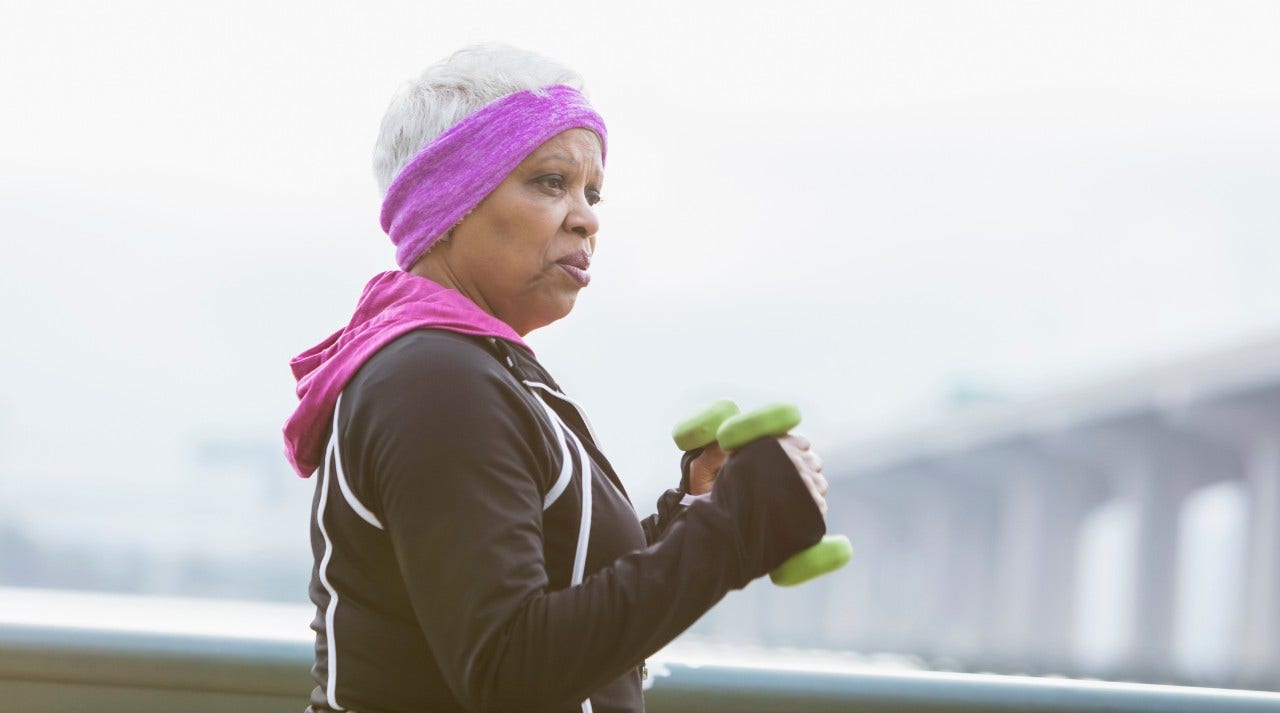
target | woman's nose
[{"x": 582, "y": 219}]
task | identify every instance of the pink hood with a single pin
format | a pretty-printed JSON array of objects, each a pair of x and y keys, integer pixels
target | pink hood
[{"x": 392, "y": 303}]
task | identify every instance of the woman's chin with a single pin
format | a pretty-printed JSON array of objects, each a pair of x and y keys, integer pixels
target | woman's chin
[
  {"x": 553, "y": 313},
  {"x": 564, "y": 309}
]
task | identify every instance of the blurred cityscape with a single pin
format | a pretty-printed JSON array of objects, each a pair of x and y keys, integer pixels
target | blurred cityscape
[
  {"x": 256, "y": 549},
  {"x": 1126, "y": 529}
]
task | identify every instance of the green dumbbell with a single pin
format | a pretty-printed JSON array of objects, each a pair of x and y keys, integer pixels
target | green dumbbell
[{"x": 722, "y": 422}]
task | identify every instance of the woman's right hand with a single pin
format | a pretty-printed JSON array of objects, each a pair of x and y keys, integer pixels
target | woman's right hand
[{"x": 808, "y": 465}]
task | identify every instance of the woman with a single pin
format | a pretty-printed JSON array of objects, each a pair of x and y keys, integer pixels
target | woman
[{"x": 475, "y": 551}]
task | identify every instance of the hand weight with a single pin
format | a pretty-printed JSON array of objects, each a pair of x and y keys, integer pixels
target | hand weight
[{"x": 722, "y": 422}]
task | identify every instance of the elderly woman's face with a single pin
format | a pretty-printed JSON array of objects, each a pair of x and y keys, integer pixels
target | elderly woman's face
[{"x": 522, "y": 254}]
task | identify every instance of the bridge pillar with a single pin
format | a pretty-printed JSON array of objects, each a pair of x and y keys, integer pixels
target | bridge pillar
[
  {"x": 1156, "y": 495},
  {"x": 1043, "y": 503},
  {"x": 897, "y": 594},
  {"x": 1260, "y": 620},
  {"x": 1153, "y": 468},
  {"x": 967, "y": 595},
  {"x": 932, "y": 555},
  {"x": 1023, "y": 509}
]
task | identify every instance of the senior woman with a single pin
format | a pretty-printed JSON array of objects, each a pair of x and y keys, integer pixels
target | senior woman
[{"x": 474, "y": 548}]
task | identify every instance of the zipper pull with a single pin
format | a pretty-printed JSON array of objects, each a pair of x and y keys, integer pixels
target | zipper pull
[{"x": 511, "y": 363}]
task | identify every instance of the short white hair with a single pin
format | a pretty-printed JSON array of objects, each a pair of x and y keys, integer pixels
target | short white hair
[{"x": 451, "y": 89}]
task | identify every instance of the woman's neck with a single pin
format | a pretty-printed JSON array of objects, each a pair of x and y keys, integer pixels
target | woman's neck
[{"x": 435, "y": 267}]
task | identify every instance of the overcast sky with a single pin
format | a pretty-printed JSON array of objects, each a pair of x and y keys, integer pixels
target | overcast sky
[{"x": 858, "y": 207}]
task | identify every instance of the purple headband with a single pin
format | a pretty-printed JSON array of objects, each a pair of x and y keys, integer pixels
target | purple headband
[{"x": 453, "y": 173}]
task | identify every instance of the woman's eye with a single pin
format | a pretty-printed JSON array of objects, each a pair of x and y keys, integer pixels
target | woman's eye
[
  {"x": 553, "y": 182},
  {"x": 593, "y": 196}
]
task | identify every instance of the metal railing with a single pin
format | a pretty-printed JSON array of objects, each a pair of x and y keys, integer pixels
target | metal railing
[{"x": 48, "y": 667}]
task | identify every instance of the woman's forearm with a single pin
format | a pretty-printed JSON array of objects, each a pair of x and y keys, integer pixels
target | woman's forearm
[{"x": 506, "y": 642}]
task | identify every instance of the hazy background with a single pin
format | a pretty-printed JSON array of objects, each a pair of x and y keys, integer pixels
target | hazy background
[{"x": 880, "y": 211}]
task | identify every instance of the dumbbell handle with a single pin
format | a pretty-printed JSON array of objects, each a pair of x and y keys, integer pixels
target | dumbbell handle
[{"x": 721, "y": 422}]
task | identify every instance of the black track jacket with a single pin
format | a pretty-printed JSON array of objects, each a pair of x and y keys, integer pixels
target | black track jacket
[{"x": 452, "y": 571}]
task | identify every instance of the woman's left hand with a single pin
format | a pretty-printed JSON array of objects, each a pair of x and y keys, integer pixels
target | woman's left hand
[{"x": 703, "y": 469}]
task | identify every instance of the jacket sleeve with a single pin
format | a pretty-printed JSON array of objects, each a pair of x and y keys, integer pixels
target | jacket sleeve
[{"x": 458, "y": 483}]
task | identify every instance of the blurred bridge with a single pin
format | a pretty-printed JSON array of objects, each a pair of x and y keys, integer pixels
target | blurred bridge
[{"x": 1128, "y": 530}]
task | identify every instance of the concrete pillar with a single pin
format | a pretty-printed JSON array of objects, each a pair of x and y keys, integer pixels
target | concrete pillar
[
  {"x": 904, "y": 588},
  {"x": 1021, "y": 537},
  {"x": 890, "y": 583},
  {"x": 1152, "y": 468},
  {"x": 1054, "y": 591},
  {"x": 970, "y": 590},
  {"x": 1035, "y": 505},
  {"x": 1260, "y": 621},
  {"x": 1248, "y": 422},
  {"x": 1156, "y": 495},
  {"x": 1041, "y": 510},
  {"x": 930, "y": 571}
]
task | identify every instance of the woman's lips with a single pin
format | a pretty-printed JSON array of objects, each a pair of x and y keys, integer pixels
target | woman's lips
[
  {"x": 582, "y": 277},
  {"x": 577, "y": 264}
]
